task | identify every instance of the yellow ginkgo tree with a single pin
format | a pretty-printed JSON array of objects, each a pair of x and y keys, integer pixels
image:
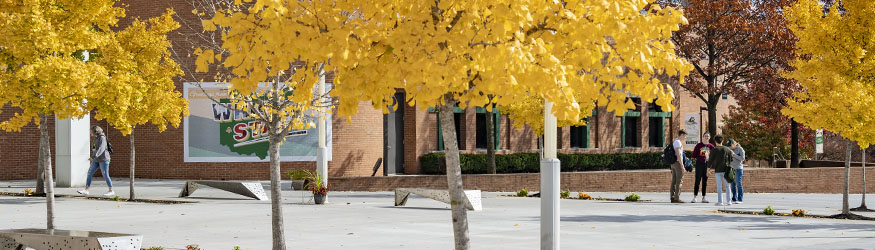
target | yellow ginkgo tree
[
  {"x": 271, "y": 54},
  {"x": 442, "y": 54},
  {"x": 42, "y": 72},
  {"x": 466, "y": 53},
  {"x": 141, "y": 88},
  {"x": 836, "y": 68}
]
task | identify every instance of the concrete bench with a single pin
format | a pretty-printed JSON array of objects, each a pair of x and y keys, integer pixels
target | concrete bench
[
  {"x": 43, "y": 239},
  {"x": 472, "y": 197},
  {"x": 249, "y": 189}
]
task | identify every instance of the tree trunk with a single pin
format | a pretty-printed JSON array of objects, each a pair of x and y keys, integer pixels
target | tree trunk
[
  {"x": 454, "y": 175},
  {"x": 846, "y": 190},
  {"x": 276, "y": 135},
  {"x": 863, "y": 203},
  {"x": 712, "y": 115},
  {"x": 40, "y": 174},
  {"x": 133, "y": 163},
  {"x": 490, "y": 141},
  {"x": 794, "y": 144},
  {"x": 45, "y": 162}
]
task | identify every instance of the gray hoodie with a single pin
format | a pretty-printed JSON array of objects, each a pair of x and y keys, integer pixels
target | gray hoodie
[
  {"x": 99, "y": 152},
  {"x": 737, "y": 158}
]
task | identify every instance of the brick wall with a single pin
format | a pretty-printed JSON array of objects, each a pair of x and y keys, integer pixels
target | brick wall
[{"x": 810, "y": 180}]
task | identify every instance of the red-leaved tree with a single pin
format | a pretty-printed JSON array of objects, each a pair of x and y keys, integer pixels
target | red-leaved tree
[{"x": 732, "y": 44}]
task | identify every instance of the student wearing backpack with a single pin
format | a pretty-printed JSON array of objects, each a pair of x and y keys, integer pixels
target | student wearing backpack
[
  {"x": 719, "y": 161},
  {"x": 700, "y": 152},
  {"x": 677, "y": 166},
  {"x": 99, "y": 160}
]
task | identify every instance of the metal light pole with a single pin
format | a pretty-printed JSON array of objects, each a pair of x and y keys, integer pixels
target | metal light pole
[{"x": 549, "y": 183}]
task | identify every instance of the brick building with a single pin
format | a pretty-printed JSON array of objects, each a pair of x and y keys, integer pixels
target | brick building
[{"x": 400, "y": 137}]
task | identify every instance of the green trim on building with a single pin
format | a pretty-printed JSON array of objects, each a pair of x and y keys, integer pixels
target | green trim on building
[{"x": 496, "y": 121}]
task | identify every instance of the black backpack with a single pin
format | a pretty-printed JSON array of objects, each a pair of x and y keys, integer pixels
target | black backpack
[
  {"x": 668, "y": 155},
  {"x": 108, "y": 145}
]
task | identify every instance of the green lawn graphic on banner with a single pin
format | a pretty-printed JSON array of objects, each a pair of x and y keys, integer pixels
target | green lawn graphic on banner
[{"x": 214, "y": 133}]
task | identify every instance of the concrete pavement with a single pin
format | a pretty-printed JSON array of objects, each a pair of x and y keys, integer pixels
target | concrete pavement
[{"x": 363, "y": 220}]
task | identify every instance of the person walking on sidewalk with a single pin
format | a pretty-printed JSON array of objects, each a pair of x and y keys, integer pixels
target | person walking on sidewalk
[
  {"x": 677, "y": 168},
  {"x": 719, "y": 161},
  {"x": 99, "y": 159},
  {"x": 738, "y": 164},
  {"x": 700, "y": 152}
]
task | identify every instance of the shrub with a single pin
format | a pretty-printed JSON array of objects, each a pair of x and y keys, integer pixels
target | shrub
[
  {"x": 523, "y": 193},
  {"x": 192, "y": 247},
  {"x": 564, "y": 194},
  {"x": 435, "y": 163},
  {"x": 799, "y": 212},
  {"x": 116, "y": 198},
  {"x": 632, "y": 197},
  {"x": 768, "y": 211},
  {"x": 298, "y": 174},
  {"x": 28, "y": 192},
  {"x": 583, "y": 196},
  {"x": 155, "y": 248}
]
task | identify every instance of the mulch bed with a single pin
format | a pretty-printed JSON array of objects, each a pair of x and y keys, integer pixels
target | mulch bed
[
  {"x": 837, "y": 216},
  {"x": 100, "y": 198}
]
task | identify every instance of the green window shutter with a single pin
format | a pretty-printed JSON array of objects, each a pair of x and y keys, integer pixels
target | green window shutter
[
  {"x": 440, "y": 134},
  {"x": 586, "y": 135},
  {"x": 497, "y": 128},
  {"x": 623, "y": 132}
]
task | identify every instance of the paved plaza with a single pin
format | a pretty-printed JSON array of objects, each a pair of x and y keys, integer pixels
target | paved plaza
[{"x": 368, "y": 220}]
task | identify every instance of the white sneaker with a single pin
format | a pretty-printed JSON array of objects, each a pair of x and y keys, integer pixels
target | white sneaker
[
  {"x": 108, "y": 194},
  {"x": 719, "y": 204},
  {"x": 734, "y": 202},
  {"x": 739, "y": 202},
  {"x": 694, "y": 200},
  {"x": 83, "y": 192},
  {"x": 704, "y": 200}
]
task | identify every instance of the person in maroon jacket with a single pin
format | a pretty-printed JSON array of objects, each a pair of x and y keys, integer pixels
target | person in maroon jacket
[{"x": 701, "y": 153}]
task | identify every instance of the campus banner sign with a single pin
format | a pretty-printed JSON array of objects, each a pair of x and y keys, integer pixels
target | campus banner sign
[
  {"x": 215, "y": 133},
  {"x": 818, "y": 140},
  {"x": 691, "y": 125}
]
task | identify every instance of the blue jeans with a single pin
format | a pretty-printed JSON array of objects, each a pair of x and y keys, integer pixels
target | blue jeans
[
  {"x": 737, "y": 187},
  {"x": 104, "y": 169}
]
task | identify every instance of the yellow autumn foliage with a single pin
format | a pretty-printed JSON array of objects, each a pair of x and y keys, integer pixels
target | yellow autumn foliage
[
  {"x": 141, "y": 88},
  {"x": 835, "y": 67},
  {"x": 41, "y": 71}
]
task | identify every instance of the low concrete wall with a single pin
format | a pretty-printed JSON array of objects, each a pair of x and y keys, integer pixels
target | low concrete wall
[{"x": 756, "y": 180}]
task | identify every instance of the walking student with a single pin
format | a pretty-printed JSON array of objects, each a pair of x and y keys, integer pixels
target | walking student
[
  {"x": 719, "y": 161},
  {"x": 737, "y": 164},
  {"x": 677, "y": 168},
  {"x": 99, "y": 159},
  {"x": 700, "y": 152}
]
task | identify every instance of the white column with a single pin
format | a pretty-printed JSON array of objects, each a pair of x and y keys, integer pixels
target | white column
[
  {"x": 72, "y": 148},
  {"x": 322, "y": 151},
  {"x": 549, "y": 183}
]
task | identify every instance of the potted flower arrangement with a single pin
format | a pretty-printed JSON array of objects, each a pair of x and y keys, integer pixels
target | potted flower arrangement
[
  {"x": 318, "y": 187},
  {"x": 300, "y": 178}
]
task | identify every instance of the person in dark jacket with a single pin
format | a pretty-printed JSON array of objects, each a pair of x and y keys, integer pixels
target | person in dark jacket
[
  {"x": 700, "y": 153},
  {"x": 719, "y": 161},
  {"x": 99, "y": 160}
]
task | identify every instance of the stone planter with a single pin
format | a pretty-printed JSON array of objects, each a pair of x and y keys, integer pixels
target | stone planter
[
  {"x": 319, "y": 199},
  {"x": 298, "y": 184}
]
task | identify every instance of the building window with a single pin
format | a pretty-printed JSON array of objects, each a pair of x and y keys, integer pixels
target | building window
[
  {"x": 580, "y": 136},
  {"x": 631, "y": 130},
  {"x": 457, "y": 117},
  {"x": 657, "y": 131},
  {"x": 656, "y": 123},
  {"x": 631, "y": 125},
  {"x": 481, "y": 128}
]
